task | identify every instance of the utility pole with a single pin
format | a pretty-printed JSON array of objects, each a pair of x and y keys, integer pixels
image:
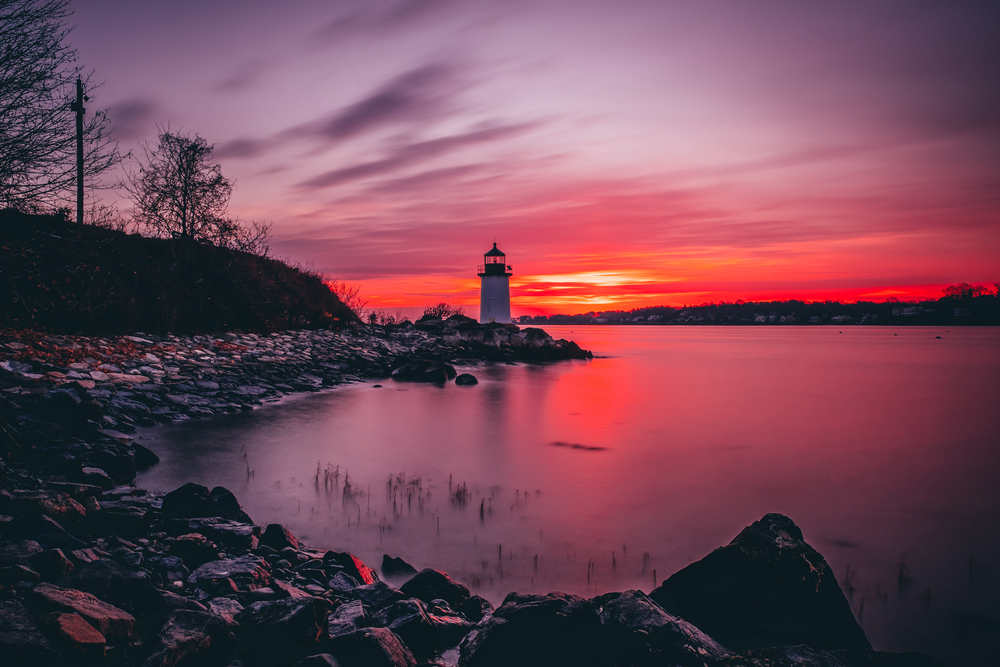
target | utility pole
[{"x": 77, "y": 106}]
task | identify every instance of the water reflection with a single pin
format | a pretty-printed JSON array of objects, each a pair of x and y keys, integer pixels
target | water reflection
[{"x": 881, "y": 447}]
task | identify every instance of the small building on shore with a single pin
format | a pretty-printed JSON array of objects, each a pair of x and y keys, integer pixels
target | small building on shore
[{"x": 494, "y": 291}]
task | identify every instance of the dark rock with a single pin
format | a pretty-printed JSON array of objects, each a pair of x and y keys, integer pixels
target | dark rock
[
  {"x": 51, "y": 564},
  {"x": 12, "y": 575},
  {"x": 278, "y": 537},
  {"x": 196, "y": 501},
  {"x": 430, "y": 585},
  {"x": 194, "y": 549},
  {"x": 302, "y": 620},
  {"x": 191, "y": 638},
  {"x": 396, "y": 567},
  {"x": 112, "y": 583},
  {"x": 319, "y": 660},
  {"x": 377, "y": 595},
  {"x": 93, "y": 476},
  {"x": 538, "y": 630},
  {"x": 74, "y": 638},
  {"x": 765, "y": 588},
  {"x": 19, "y": 553},
  {"x": 424, "y": 370},
  {"x": 634, "y": 630},
  {"x": 44, "y": 530},
  {"x": 352, "y": 565},
  {"x": 343, "y": 583},
  {"x": 113, "y": 623},
  {"x": 247, "y": 572},
  {"x": 175, "y": 601},
  {"x": 466, "y": 379},
  {"x": 56, "y": 504},
  {"x": 144, "y": 458},
  {"x": 423, "y": 633},
  {"x": 231, "y": 534},
  {"x": 226, "y": 609},
  {"x": 21, "y": 642},
  {"x": 474, "y": 608},
  {"x": 347, "y": 618},
  {"x": 371, "y": 647}
]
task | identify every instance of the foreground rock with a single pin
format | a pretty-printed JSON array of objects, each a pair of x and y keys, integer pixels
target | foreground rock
[{"x": 765, "y": 588}]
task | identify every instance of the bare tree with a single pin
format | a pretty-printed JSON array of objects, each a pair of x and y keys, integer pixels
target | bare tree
[
  {"x": 443, "y": 310},
  {"x": 349, "y": 295},
  {"x": 179, "y": 192},
  {"x": 38, "y": 74}
]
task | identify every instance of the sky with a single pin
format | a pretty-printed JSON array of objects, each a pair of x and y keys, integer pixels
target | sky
[{"x": 621, "y": 153}]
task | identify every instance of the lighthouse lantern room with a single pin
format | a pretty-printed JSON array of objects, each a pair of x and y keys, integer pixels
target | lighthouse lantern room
[{"x": 494, "y": 292}]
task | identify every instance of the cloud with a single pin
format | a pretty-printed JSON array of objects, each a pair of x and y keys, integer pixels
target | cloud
[
  {"x": 243, "y": 76},
  {"x": 418, "y": 94},
  {"x": 411, "y": 154},
  {"x": 398, "y": 15},
  {"x": 134, "y": 118},
  {"x": 244, "y": 147}
]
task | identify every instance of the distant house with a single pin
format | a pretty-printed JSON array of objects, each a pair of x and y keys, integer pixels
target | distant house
[
  {"x": 654, "y": 318},
  {"x": 841, "y": 318},
  {"x": 814, "y": 319},
  {"x": 760, "y": 318}
]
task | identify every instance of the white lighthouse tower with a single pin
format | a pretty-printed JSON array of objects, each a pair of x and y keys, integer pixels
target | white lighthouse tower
[{"x": 494, "y": 293}]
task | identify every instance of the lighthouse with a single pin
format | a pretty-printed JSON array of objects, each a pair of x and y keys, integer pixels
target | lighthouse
[{"x": 494, "y": 292}]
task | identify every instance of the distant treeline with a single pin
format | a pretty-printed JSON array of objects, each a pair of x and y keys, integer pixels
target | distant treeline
[{"x": 961, "y": 305}]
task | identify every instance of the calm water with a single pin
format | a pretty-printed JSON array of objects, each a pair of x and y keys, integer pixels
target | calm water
[{"x": 612, "y": 474}]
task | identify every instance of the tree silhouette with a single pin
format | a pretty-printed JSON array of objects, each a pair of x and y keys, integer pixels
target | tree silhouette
[
  {"x": 37, "y": 125},
  {"x": 180, "y": 192}
]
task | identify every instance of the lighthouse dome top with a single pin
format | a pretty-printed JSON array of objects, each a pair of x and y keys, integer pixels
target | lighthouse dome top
[{"x": 495, "y": 252}]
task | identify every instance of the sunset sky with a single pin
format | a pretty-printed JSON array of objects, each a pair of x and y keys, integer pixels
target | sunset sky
[{"x": 621, "y": 153}]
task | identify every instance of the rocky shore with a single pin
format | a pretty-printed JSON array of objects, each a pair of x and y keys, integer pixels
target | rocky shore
[{"x": 94, "y": 571}]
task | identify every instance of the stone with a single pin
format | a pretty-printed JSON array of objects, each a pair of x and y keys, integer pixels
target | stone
[
  {"x": 278, "y": 537},
  {"x": 194, "y": 501},
  {"x": 194, "y": 549},
  {"x": 530, "y": 630},
  {"x": 94, "y": 476},
  {"x": 226, "y": 609},
  {"x": 803, "y": 656},
  {"x": 424, "y": 370},
  {"x": 342, "y": 583},
  {"x": 767, "y": 587},
  {"x": 19, "y": 553},
  {"x": 144, "y": 458},
  {"x": 396, "y": 567},
  {"x": 371, "y": 647},
  {"x": 428, "y": 585},
  {"x": 281, "y": 631},
  {"x": 347, "y": 618},
  {"x": 377, "y": 595},
  {"x": 352, "y": 565},
  {"x": 12, "y": 575},
  {"x": 423, "y": 633},
  {"x": 73, "y": 637},
  {"x": 233, "y": 535},
  {"x": 466, "y": 379},
  {"x": 189, "y": 638},
  {"x": 110, "y": 582},
  {"x": 51, "y": 564},
  {"x": 475, "y": 607},
  {"x": 56, "y": 504},
  {"x": 22, "y": 644},
  {"x": 44, "y": 530},
  {"x": 175, "y": 601},
  {"x": 247, "y": 572},
  {"x": 319, "y": 660},
  {"x": 113, "y": 623}
]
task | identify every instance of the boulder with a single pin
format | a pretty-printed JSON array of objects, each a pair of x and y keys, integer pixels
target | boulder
[
  {"x": 347, "y": 618},
  {"x": 278, "y": 537},
  {"x": 74, "y": 638},
  {"x": 235, "y": 535},
  {"x": 226, "y": 609},
  {"x": 44, "y": 530},
  {"x": 194, "y": 549},
  {"x": 110, "y": 582},
  {"x": 424, "y": 370},
  {"x": 475, "y": 608},
  {"x": 319, "y": 660},
  {"x": 352, "y": 565},
  {"x": 194, "y": 501},
  {"x": 377, "y": 595},
  {"x": 803, "y": 656},
  {"x": 19, "y": 553},
  {"x": 428, "y": 585},
  {"x": 467, "y": 379},
  {"x": 114, "y": 624},
  {"x": 51, "y": 564},
  {"x": 280, "y": 631},
  {"x": 191, "y": 638},
  {"x": 371, "y": 647},
  {"x": 765, "y": 588},
  {"x": 22, "y": 644},
  {"x": 396, "y": 567},
  {"x": 247, "y": 572},
  {"x": 144, "y": 458},
  {"x": 528, "y": 630},
  {"x": 343, "y": 583},
  {"x": 423, "y": 633}
]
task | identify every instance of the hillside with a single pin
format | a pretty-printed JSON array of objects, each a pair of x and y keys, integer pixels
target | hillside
[{"x": 58, "y": 277}]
